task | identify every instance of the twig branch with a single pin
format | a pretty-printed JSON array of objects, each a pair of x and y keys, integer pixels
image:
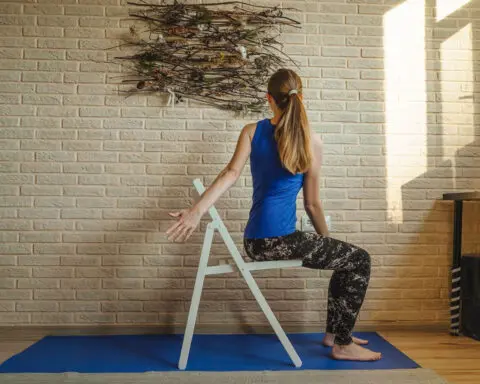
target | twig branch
[{"x": 216, "y": 56}]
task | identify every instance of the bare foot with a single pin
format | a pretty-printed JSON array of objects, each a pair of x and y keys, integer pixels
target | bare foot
[
  {"x": 329, "y": 339},
  {"x": 354, "y": 352}
]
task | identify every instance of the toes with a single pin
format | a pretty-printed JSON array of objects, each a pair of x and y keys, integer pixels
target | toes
[{"x": 360, "y": 341}]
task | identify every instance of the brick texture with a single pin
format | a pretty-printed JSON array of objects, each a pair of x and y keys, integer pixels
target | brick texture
[{"x": 87, "y": 176}]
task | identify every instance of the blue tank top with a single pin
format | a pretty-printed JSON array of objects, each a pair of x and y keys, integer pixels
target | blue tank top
[{"x": 275, "y": 189}]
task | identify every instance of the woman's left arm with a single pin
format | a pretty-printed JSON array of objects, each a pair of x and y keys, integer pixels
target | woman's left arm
[{"x": 188, "y": 219}]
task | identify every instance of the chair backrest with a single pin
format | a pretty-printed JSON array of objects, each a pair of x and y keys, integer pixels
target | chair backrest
[{"x": 219, "y": 224}]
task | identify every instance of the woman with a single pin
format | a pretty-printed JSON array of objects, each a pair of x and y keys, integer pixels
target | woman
[{"x": 285, "y": 156}]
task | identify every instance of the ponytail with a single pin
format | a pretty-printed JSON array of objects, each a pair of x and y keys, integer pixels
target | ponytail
[{"x": 292, "y": 132}]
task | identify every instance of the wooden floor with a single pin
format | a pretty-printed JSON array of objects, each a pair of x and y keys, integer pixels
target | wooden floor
[{"x": 456, "y": 359}]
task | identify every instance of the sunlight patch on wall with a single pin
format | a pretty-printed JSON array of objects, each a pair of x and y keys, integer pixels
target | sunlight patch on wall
[
  {"x": 457, "y": 80},
  {"x": 447, "y": 7},
  {"x": 405, "y": 99}
]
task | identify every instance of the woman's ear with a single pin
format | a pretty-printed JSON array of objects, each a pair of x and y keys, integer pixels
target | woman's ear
[{"x": 271, "y": 102}]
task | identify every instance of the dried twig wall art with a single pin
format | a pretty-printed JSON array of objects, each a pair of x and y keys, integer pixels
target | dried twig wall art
[{"x": 221, "y": 53}]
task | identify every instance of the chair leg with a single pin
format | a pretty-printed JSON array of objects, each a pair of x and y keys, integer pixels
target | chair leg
[
  {"x": 272, "y": 319},
  {"x": 259, "y": 297},
  {"x": 197, "y": 293}
]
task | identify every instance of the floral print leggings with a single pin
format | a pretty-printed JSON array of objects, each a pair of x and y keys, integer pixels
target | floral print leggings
[{"x": 349, "y": 282}]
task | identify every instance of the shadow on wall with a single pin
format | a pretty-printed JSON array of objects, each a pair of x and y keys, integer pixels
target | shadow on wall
[
  {"x": 452, "y": 149},
  {"x": 432, "y": 146},
  {"x": 453, "y": 138}
]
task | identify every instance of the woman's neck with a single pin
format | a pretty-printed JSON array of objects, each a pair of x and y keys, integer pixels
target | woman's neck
[{"x": 275, "y": 119}]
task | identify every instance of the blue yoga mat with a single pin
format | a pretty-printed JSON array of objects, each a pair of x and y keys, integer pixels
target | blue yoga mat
[{"x": 143, "y": 353}]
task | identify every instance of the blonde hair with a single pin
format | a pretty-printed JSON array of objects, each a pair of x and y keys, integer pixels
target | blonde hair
[{"x": 292, "y": 132}]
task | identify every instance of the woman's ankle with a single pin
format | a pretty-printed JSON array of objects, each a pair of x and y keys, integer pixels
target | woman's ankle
[{"x": 343, "y": 343}]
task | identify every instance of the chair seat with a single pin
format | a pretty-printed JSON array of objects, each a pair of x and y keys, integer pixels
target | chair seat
[
  {"x": 253, "y": 266},
  {"x": 258, "y": 265}
]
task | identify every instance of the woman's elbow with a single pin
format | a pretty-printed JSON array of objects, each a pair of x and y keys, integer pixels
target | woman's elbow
[
  {"x": 231, "y": 174},
  {"x": 312, "y": 206}
]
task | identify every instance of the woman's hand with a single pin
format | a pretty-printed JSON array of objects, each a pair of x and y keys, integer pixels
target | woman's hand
[{"x": 187, "y": 221}]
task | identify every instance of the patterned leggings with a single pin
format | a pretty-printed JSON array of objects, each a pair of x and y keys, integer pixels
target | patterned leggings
[{"x": 351, "y": 266}]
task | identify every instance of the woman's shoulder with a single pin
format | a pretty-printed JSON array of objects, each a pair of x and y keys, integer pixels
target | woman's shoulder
[
  {"x": 317, "y": 151},
  {"x": 317, "y": 142},
  {"x": 250, "y": 129}
]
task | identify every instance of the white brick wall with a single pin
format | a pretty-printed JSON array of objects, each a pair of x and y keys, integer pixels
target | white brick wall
[{"x": 87, "y": 176}]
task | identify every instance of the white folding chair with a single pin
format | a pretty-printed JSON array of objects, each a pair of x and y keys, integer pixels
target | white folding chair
[{"x": 245, "y": 270}]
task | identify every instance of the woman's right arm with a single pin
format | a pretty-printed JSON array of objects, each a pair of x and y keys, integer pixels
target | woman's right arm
[
  {"x": 188, "y": 219},
  {"x": 311, "y": 190}
]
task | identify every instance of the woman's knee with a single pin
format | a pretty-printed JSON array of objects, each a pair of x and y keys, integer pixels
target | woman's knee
[{"x": 363, "y": 259}]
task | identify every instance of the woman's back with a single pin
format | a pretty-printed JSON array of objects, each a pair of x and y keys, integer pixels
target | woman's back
[{"x": 275, "y": 189}]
